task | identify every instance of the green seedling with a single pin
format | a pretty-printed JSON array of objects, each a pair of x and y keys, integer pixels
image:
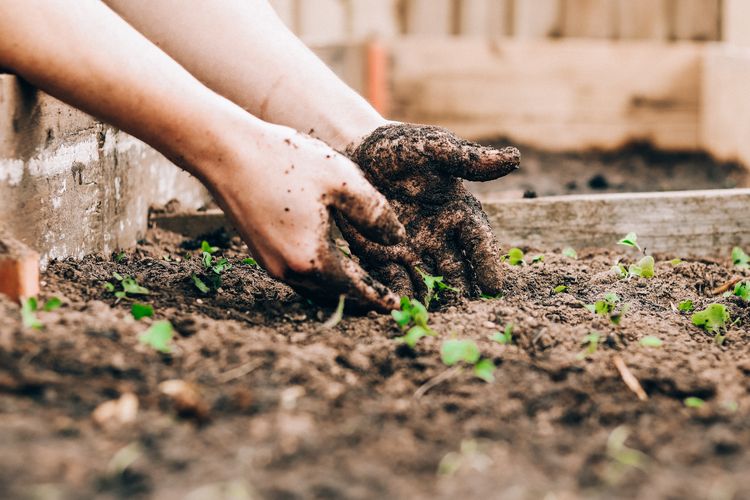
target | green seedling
[
  {"x": 619, "y": 270},
  {"x": 199, "y": 284},
  {"x": 28, "y": 314},
  {"x": 213, "y": 269},
  {"x": 486, "y": 296},
  {"x": 537, "y": 259},
  {"x": 158, "y": 336},
  {"x": 650, "y": 341},
  {"x": 694, "y": 402},
  {"x": 713, "y": 319},
  {"x": 643, "y": 269},
  {"x": 119, "y": 257},
  {"x": 52, "y": 304},
  {"x": 435, "y": 285},
  {"x": 630, "y": 240},
  {"x": 207, "y": 248},
  {"x": 514, "y": 257},
  {"x": 676, "y": 262},
  {"x": 505, "y": 337},
  {"x": 140, "y": 311},
  {"x": 609, "y": 306},
  {"x": 412, "y": 318},
  {"x": 129, "y": 287},
  {"x": 742, "y": 290},
  {"x": 686, "y": 306},
  {"x": 456, "y": 351},
  {"x": 250, "y": 262},
  {"x": 740, "y": 259},
  {"x": 337, "y": 315},
  {"x": 560, "y": 289},
  {"x": 570, "y": 253},
  {"x": 591, "y": 344}
]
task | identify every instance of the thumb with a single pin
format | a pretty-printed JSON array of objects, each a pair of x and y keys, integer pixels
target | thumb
[
  {"x": 472, "y": 161},
  {"x": 368, "y": 210}
]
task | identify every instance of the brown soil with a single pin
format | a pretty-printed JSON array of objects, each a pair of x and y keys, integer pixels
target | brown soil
[
  {"x": 636, "y": 168},
  {"x": 299, "y": 412}
]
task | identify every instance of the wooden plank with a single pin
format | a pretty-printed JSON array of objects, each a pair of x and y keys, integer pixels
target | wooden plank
[
  {"x": 590, "y": 18},
  {"x": 537, "y": 18},
  {"x": 368, "y": 19},
  {"x": 429, "y": 17},
  {"x": 698, "y": 20},
  {"x": 321, "y": 21},
  {"x": 643, "y": 19},
  {"x": 735, "y": 22},
  {"x": 571, "y": 94},
  {"x": 725, "y": 125},
  {"x": 484, "y": 18},
  {"x": 680, "y": 224}
]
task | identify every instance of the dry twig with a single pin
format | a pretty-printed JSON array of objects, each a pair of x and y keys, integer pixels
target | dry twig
[{"x": 629, "y": 378}]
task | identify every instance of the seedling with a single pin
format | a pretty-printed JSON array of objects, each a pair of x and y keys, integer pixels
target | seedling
[
  {"x": 140, "y": 311},
  {"x": 505, "y": 337},
  {"x": 538, "y": 258},
  {"x": 337, "y": 315},
  {"x": 560, "y": 289},
  {"x": 456, "y": 351},
  {"x": 52, "y": 304},
  {"x": 676, "y": 262},
  {"x": 207, "y": 248},
  {"x": 202, "y": 287},
  {"x": 742, "y": 290},
  {"x": 158, "y": 336},
  {"x": 713, "y": 319},
  {"x": 214, "y": 268},
  {"x": 514, "y": 257},
  {"x": 630, "y": 240},
  {"x": 486, "y": 296},
  {"x": 609, "y": 307},
  {"x": 250, "y": 262},
  {"x": 740, "y": 259},
  {"x": 591, "y": 343},
  {"x": 694, "y": 402},
  {"x": 119, "y": 257},
  {"x": 434, "y": 285},
  {"x": 650, "y": 341},
  {"x": 570, "y": 253},
  {"x": 29, "y": 308},
  {"x": 412, "y": 318},
  {"x": 686, "y": 306},
  {"x": 129, "y": 287},
  {"x": 643, "y": 269},
  {"x": 619, "y": 270}
]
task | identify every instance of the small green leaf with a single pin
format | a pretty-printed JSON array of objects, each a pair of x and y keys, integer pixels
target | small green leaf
[
  {"x": 506, "y": 337},
  {"x": 207, "y": 260},
  {"x": 250, "y": 262},
  {"x": 108, "y": 286},
  {"x": 740, "y": 258},
  {"x": 338, "y": 313},
  {"x": 685, "y": 306},
  {"x": 52, "y": 304},
  {"x": 630, "y": 240},
  {"x": 117, "y": 276},
  {"x": 676, "y": 262},
  {"x": 119, "y": 257},
  {"x": 538, "y": 258},
  {"x": 497, "y": 296},
  {"x": 515, "y": 257},
  {"x": 591, "y": 342},
  {"x": 221, "y": 265},
  {"x": 694, "y": 402},
  {"x": 413, "y": 335},
  {"x": 742, "y": 290},
  {"x": 570, "y": 253},
  {"x": 485, "y": 370},
  {"x": 455, "y": 351},
  {"x": 158, "y": 336},
  {"x": 199, "y": 284},
  {"x": 713, "y": 319},
  {"x": 560, "y": 289},
  {"x": 141, "y": 311},
  {"x": 121, "y": 295},
  {"x": 434, "y": 286},
  {"x": 130, "y": 286},
  {"x": 619, "y": 270},
  {"x": 644, "y": 268},
  {"x": 650, "y": 341},
  {"x": 28, "y": 314},
  {"x": 207, "y": 248}
]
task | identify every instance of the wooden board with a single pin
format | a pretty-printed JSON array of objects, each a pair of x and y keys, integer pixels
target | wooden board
[
  {"x": 537, "y": 19},
  {"x": 484, "y": 18},
  {"x": 643, "y": 19},
  {"x": 590, "y": 18},
  {"x": 429, "y": 17},
  {"x": 698, "y": 20},
  {"x": 680, "y": 224},
  {"x": 571, "y": 94}
]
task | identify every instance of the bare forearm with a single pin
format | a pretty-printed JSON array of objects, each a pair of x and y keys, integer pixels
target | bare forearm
[
  {"x": 84, "y": 54},
  {"x": 241, "y": 49}
]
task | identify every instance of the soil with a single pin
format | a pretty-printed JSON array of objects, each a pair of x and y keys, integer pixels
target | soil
[
  {"x": 289, "y": 409},
  {"x": 635, "y": 168}
]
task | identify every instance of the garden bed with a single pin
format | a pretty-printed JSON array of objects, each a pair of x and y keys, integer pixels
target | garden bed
[{"x": 289, "y": 409}]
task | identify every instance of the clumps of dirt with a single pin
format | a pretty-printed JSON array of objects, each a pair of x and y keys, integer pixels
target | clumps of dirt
[
  {"x": 635, "y": 168},
  {"x": 296, "y": 411}
]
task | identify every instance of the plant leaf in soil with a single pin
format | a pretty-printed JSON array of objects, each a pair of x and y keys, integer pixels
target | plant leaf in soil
[{"x": 158, "y": 336}]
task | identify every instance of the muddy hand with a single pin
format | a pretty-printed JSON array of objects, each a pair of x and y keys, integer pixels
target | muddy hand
[{"x": 419, "y": 169}]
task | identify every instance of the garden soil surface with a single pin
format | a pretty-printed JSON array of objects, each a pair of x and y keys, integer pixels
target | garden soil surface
[{"x": 286, "y": 408}]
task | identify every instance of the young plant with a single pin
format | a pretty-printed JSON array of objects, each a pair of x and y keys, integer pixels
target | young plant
[
  {"x": 609, "y": 306},
  {"x": 560, "y": 289},
  {"x": 129, "y": 287},
  {"x": 412, "y": 319},
  {"x": 740, "y": 259},
  {"x": 140, "y": 311},
  {"x": 694, "y": 402},
  {"x": 676, "y": 262},
  {"x": 158, "y": 336},
  {"x": 207, "y": 248},
  {"x": 570, "y": 253},
  {"x": 505, "y": 337},
  {"x": 650, "y": 341},
  {"x": 643, "y": 269},
  {"x": 213, "y": 269},
  {"x": 537, "y": 259},
  {"x": 486, "y": 296},
  {"x": 591, "y": 344},
  {"x": 514, "y": 257},
  {"x": 466, "y": 351},
  {"x": 686, "y": 306},
  {"x": 713, "y": 319},
  {"x": 29, "y": 308},
  {"x": 250, "y": 262},
  {"x": 630, "y": 240},
  {"x": 434, "y": 285},
  {"x": 742, "y": 290},
  {"x": 619, "y": 270}
]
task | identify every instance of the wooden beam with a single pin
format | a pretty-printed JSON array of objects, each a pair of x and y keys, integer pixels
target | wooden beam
[{"x": 680, "y": 224}]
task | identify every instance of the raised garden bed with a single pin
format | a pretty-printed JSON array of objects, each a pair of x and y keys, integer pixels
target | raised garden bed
[{"x": 288, "y": 409}]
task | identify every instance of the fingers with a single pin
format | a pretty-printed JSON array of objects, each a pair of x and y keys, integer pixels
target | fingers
[
  {"x": 396, "y": 278},
  {"x": 368, "y": 210},
  {"x": 454, "y": 271},
  {"x": 482, "y": 250},
  {"x": 473, "y": 161}
]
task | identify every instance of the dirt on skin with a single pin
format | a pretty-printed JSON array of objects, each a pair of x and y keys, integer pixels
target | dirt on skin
[{"x": 297, "y": 411}]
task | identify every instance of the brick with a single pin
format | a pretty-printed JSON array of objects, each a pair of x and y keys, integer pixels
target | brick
[{"x": 19, "y": 269}]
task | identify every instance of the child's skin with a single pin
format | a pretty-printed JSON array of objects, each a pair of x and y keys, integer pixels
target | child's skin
[{"x": 222, "y": 88}]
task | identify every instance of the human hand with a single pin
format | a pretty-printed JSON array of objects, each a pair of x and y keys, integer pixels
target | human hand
[
  {"x": 419, "y": 169},
  {"x": 279, "y": 188}
]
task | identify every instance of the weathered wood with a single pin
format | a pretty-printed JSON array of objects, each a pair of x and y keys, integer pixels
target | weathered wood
[
  {"x": 643, "y": 19},
  {"x": 590, "y": 18},
  {"x": 571, "y": 94},
  {"x": 429, "y": 17},
  {"x": 537, "y": 18},
  {"x": 486, "y": 18},
  {"x": 698, "y": 20},
  {"x": 681, "y": 224}
]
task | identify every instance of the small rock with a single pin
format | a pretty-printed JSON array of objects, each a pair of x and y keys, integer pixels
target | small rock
[
  {"x": 116, "y": 412},
  {"x": 186, "y": 399}
]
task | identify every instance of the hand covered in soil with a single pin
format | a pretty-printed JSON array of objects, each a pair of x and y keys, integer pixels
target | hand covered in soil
[
  {"x": 419, "y": 169},
  {"x": 280, "y": 191}
]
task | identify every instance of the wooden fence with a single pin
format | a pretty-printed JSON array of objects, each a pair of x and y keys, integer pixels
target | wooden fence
[{"x": 339, "y": 21}]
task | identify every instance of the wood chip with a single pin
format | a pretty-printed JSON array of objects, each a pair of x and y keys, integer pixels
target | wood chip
[{"x": 629, "y": 378}]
